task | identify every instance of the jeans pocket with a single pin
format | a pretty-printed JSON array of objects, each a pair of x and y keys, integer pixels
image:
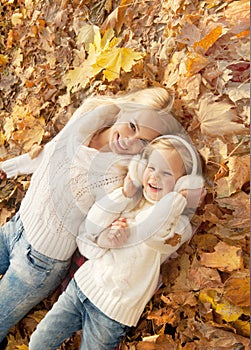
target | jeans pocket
[{"x": 38, "y": 261}]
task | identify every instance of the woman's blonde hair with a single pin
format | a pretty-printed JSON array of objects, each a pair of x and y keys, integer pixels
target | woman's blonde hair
[{"x": 157, "y": 99}]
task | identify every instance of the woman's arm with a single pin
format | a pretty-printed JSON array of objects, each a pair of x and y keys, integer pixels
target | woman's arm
[{"x": 20, "y": 165}]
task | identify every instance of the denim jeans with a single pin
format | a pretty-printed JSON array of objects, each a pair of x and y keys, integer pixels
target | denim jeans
[
  {"x": 74, "y": 311},
  {"x": 28, "y": 276}
]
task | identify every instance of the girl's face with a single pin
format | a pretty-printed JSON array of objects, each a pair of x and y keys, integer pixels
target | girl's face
[
  {"x": 133, "y": 130},
  {"x": 163, "y": 170}
]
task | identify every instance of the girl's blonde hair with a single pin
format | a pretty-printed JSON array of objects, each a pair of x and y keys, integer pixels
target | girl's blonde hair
[{"x": 180, "y": 144}]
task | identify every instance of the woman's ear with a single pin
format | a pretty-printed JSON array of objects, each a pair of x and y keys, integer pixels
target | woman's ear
[
  {"x": 189, "y": 182},
  {"x": 136, "y": 169}
]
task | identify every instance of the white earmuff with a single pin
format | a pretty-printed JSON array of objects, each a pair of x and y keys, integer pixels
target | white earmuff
[{"x": 136, "y": 169}]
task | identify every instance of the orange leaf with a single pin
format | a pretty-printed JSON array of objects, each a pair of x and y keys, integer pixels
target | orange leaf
[
  {"x": 209, "y": 39},
  {"x": 10, "y": 40},
  {"x": 194, "y": 63},
  {"x": 237, "y": 289}
]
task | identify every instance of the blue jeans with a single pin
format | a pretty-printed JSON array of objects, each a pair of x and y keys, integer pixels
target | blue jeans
[
  {"x": 28, "y": 276},
  {"x": 74, "y": 311}
]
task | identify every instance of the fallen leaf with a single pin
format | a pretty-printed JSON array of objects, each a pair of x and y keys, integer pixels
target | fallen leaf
[
  {"x": 216, "y": 118},
  {"x": 225, "y": 258},
  {"x": 238, "y": 175},
  {"x": 237, "y": 289},
  {"x": 205, "y": 43}
]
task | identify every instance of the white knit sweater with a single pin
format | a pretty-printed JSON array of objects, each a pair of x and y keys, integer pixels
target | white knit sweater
[
  {"x": 67, "y": 178},
  {"x": 121, "y": 281}
]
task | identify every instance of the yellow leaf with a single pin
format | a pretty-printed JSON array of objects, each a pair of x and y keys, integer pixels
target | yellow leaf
[
  {"x": 113, "y": 60},
  {"x": 228, "y": 311},
  {"x": 16, "y": 18},
  {"x": 22, "y": 347},
  {"x": 2, "y": 138},
  {"x": 3, "y": 60},
  {"x": 242, "y": 327},
  {"x": 8, "y": 127},
  {"x": 208, "y": 296},
  {"x": 223, "y": 307},
  {"x": 209, "y": 39}
]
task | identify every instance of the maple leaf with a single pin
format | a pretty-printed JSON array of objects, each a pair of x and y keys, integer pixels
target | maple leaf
[
  {"x": 216, "y": 117},
  {"x": 112, "y": 61},
  {"x": 102, "y": 56}
]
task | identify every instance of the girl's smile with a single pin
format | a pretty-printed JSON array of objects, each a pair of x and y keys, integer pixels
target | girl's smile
[{"x": 163, "y": 170}]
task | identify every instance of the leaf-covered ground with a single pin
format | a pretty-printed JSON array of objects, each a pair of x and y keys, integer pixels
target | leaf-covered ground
[{"x": 55, "y": 53}]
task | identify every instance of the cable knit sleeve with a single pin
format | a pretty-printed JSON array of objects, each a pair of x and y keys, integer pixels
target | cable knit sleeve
[
  {"x": 156, "y": 221},
  {"x": 21, "y": 165},
  {"x": 100, "y": 217},
  {"x": 170, "y": 238}
]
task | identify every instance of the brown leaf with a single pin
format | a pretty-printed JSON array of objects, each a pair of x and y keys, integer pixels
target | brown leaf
[
  {"x": 239, "y": 174},
  {"x": 225, "y": 258},
  {"x": 237, "y": 289}
]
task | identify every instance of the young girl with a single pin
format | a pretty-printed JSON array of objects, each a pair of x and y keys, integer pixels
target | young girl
[
  {"x": 85, "y": 160},
  {"x": 110, "y": 290}
]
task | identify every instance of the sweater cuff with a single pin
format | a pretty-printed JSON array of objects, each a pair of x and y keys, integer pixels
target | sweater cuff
[{"x": 9, "y": 167}]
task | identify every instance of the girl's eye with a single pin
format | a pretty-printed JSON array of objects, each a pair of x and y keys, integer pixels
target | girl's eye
[
  {"x": 150, "y": 168},
  {"x": 132, "y": 126},
  {"x": 166, "y": 173}
]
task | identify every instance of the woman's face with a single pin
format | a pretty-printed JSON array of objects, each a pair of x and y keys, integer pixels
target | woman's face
[
  {"x": 133, "y": 130},
  {"x": 164, "y": 168}
]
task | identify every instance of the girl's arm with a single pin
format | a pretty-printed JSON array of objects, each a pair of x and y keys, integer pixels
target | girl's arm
[
  {"x": 157, "y": 221},
  {"x": 99, "y": 220}
]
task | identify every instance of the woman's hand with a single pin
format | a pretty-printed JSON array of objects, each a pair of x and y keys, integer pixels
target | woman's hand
[
  {"x": 3, "y": 175},
  {"x": 115, "y": 236}
]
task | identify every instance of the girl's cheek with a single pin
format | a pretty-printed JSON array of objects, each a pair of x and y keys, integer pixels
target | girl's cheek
[{"x": 145, "y": 177}]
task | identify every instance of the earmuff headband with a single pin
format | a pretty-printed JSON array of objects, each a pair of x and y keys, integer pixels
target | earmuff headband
[{"x": 189, "y": 148}]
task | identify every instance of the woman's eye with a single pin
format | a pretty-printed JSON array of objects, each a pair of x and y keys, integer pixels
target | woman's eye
[
  {"x": 168, "y": 174},
  {"x": 132, "y": 126},
  {"x": 150, "y": 168},
  {"x": 145, "y": 142}
]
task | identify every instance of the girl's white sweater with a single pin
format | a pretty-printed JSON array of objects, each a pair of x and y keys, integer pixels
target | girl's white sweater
[
  {"x": 121, "y": 281},
  {"x": 68, "y": 177}
]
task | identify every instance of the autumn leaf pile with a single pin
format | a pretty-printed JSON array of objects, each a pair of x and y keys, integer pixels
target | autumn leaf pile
[{"x": 56, "y": 53}]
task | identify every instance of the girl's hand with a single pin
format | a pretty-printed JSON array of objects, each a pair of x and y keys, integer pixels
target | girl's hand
[
  {"x": 129, "y": 188},
  {"x": 3, "y": 175},
  {"x": 115, "y": 236},
  {"x": 194, "y": 197}
]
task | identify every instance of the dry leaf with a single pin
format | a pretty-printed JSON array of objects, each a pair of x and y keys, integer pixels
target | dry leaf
[
  {"x": 238, "y": 175},
  {"x": 216, "y": 118},
  {"x": 237, "y": 289},
  {"x": 225, "y": 258}
]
